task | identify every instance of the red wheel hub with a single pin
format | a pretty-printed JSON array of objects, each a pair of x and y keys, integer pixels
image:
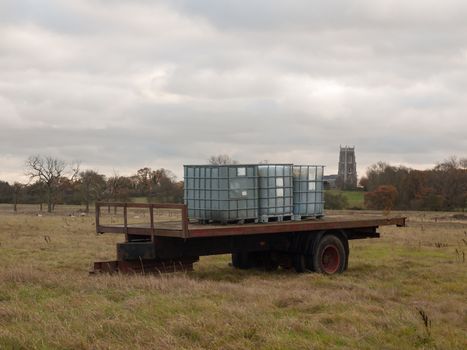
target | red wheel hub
[{"x": 330, "y": 259}]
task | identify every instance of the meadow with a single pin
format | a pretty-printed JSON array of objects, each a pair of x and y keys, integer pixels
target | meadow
[
  {"x": 355, "y": 199},
  {"x": 406, "y": 290}
]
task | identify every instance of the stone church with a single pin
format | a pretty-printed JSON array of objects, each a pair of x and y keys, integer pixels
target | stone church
[
  {"x": 347, "y": 173},
  {"x": 346, "y": 177}
]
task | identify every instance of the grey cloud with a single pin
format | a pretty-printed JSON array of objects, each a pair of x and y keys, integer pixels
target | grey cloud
[
  {"x": 277, "y": 15},
  {"x": 123, "y": 84}
]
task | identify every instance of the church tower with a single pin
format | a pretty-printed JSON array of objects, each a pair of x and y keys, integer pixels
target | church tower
[{"x": 347, "y": 173}]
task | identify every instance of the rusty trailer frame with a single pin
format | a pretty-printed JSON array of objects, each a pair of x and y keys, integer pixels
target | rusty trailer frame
[{"x": 166, "y": 246}]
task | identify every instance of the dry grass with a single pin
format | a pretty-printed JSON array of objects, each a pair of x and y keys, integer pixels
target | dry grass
[{"x": 405, "y": 290}]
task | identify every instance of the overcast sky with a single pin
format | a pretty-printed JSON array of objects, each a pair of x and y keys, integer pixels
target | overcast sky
[{"x": 120, "y": 85}]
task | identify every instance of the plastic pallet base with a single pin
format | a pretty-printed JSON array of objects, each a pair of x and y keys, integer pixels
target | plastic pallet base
[
  {"x": 275, "y": 218},
  {"x": 226, "y": 222},
  {"x": 304, "y": 217}
]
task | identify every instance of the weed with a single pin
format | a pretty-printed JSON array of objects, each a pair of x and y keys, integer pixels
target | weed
[
  {"x": 251, "y": 334},
  {"x": 426, "y": 321},
  {"x": 460, "y": 255}
]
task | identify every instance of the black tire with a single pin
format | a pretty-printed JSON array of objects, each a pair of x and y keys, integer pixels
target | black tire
[
  {"x": 301, "y": 263},
  {"x": 329, "y": 255},
  {"x": 269, "y": 262},
  {"x": 241, "y": 260},
  {"x": 347, "y": 254},
  {"x": 286, "y": 262}
]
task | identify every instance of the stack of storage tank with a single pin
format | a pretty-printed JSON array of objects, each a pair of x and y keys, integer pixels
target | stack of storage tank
[
  {"x": 308, "y": 191},
  {"x": 221, "y": 193},
  {"x": 253, "y": 192},
  {"x": 275, "y": 192}
]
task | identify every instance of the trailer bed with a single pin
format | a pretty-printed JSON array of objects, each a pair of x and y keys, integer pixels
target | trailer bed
[{"x": 185, "y": 229}]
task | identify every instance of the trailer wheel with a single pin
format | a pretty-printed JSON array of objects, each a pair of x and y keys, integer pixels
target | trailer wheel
[
  {"x": 329, "y": 255},
  {"x": 241, "y": 260}
]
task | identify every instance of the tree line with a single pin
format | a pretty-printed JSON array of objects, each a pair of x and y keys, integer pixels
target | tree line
[
  {"x": 52, "y": 181},
  {"x": 443, "y": 187}
]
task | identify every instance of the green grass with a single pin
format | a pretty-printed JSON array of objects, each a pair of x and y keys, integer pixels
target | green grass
[
  {"x": 48, "y": 300},
  {"x": 354, "y": 198}
]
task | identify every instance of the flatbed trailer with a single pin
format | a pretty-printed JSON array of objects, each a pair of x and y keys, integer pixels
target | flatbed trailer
[{"x": 173, "y": 243}]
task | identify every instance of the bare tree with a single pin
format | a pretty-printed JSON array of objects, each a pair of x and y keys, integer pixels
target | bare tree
[
  {"x": 75, "y": 171},
  {"x": 221, "y": 159},
  {"x": 450, "y": 163},
  {"x": 463, "y": 163},
  {"x": 47, "y": 170}
]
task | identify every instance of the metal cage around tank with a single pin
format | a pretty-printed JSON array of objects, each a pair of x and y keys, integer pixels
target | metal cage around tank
[
  {"x": 275, "y": 192},
  {"x": 308, "y": 191},
  {"x": 221, "y": 193}
]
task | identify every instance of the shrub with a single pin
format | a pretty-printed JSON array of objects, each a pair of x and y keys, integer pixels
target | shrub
[
  {"x": 383, "y": 198},
  {"x": 335, "y": 200}
]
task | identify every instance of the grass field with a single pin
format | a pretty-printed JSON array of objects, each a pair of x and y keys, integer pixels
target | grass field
[
  {"x": 354, "y": 198},
  {"x": 48, "y": 300}
]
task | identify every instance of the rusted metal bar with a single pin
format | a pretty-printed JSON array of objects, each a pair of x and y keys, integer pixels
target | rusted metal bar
[
  {"x": 142, "y": 231},
  {"x": 185, "y": 221},
  {"x": 125, "y": 222},
  {"x": 144, "y": 205},
  {"x": 151, "y": 216},
  {"x": 98, "y": 213}
]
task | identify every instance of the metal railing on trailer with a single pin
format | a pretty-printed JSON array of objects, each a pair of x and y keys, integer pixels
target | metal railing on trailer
[{"x": 126, "y": 228}]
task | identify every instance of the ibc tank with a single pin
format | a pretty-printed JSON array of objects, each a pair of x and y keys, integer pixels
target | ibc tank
[
  {"x": 221, "y": 193},
  {"x": 275, "y": 191},
  {"x": 308, "y": 191}
]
